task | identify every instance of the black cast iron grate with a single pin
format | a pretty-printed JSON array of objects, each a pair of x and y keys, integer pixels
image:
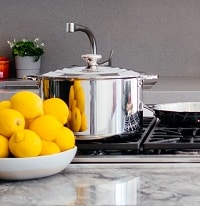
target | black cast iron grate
[
  {"x": 119, "y": 144},
  {"x": 165, "y": 139}
]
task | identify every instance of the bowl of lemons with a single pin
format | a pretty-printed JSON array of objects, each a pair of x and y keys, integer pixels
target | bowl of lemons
[
  {"x": 35, "y": 167},
  {"x": 35, "y": 141}
]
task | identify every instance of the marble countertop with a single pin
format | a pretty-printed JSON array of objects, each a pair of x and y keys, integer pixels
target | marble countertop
[{"x": 109, "y": 184}]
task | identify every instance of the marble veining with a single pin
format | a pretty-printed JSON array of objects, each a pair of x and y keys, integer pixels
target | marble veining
[{"x": 109, "y": 184}]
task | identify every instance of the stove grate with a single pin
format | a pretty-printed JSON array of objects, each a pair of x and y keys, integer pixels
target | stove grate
[
  {"x": 119, "y": 144},
  {"x": 166, "y": 139}
]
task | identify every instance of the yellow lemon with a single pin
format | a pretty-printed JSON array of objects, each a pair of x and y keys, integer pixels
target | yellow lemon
[
  {"x": 49, "y": 148},
  {"x": 69, "y": 118},
  {"x": 80, "y": 99},
  {"x": 5, "y": 104},
  {"x": 25, "y": 143},
  {"x": 28, "y": 122},
  {"x": 65, "y": 139},
  {"x": 76, "y": 119},
  {"x": 73, "y": 104},
  {"x": 71, "y": 96},
  {"x": 28, "y": 103},
  {"x": 4, "y": 150},
  {"x": 46, "y": 126},
  {"x": 77, "y": 84},
  {"x": 56, "y": 107},
  {"x": 83, "y": 122},
  {"x": 46, "y": 88},
  {"x": 10, "y": 122}
]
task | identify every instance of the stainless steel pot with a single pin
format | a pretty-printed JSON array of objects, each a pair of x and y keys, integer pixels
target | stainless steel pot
[{"x": 109, "y": 100}]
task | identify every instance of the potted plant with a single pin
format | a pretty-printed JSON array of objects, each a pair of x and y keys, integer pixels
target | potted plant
[{"x": 27, "y": 56}]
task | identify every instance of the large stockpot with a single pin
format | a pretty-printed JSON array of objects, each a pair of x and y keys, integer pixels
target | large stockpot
[{"x": 109, "y": 100}]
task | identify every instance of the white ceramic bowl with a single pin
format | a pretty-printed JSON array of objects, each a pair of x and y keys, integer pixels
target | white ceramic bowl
[{"x": 35, "y": 167}]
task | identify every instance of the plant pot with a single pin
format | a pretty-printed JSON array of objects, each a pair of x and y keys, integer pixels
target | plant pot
[{"x": 27, "y": 66}]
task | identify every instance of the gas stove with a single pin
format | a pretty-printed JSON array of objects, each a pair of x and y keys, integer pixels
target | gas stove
[{"x": 156, "y": 142}]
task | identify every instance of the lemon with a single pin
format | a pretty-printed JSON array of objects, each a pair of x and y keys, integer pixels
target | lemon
[
  {"x": 75, "y": 119},
  {"x": 28, "y": 103},
  {"x": 49, "y": 148},
  {"x": 25, "y": 143},
  {"x": 80, "y": 99},
  {"x": 69, "y": 119},
  {"x": 5, "y": 104},
  {"x": 71, "y": 96},
  {"x": 65, "y": 139},
  {"x": 4, "y": 150},
  {"x": 56, "y": 107},
  {"x": 46, "y": 126},
  {"x": 73, "y": 104},
  {"x": 77, "y": 84},
  {"x": 83, "y": 122},
  {"x": 28, "y": 122},
  {"x": 69, "y": 116},
  {"x": 46, "y": 89},
  {"x": 10, "y": 122}
]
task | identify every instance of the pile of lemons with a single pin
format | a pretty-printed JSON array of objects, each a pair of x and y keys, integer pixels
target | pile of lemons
[
  {"x": 77, "y": 121},
  {"x": 30, "y": 126}
]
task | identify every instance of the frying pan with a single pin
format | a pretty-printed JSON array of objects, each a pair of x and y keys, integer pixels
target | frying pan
[{"x": 181, "y": 114}]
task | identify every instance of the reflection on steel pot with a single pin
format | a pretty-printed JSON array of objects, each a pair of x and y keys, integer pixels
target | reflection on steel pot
[
  {"x": 183, "y": 114},
  {"x": 103, "y": 102}
]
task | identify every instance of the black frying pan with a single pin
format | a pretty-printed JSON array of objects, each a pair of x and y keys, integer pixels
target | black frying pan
[{"x": 182, "y": 114}]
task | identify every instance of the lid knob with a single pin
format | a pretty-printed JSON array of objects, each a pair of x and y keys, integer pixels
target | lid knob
[{"x": 92, "y": 61}]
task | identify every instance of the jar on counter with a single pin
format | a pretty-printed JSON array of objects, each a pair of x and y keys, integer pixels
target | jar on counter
[{"x": 4, "y": 67}]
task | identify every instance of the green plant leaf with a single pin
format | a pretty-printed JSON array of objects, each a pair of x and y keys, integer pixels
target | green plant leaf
[{"x": 28, "y": 48}]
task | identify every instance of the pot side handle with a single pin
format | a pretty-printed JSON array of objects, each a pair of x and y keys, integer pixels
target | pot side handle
[
  {"x": 31, "y": 77},
  {"x": 149, "y": 76}
]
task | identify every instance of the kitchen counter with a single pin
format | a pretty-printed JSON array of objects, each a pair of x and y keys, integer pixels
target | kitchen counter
[
  {"x": 109, "y": 184},
  {"x": 8, "y": 87},
  {"x": 173, "y": 89}
]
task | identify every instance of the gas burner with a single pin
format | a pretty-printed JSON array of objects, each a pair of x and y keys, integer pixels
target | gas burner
[
  {"x": 120, "y": 144},
  {"x": 165, "y": 139},
  {"x": 153, "y": 139}
]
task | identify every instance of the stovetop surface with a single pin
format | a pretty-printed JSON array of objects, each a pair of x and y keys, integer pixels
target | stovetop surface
[
  {"x": 124, "y": 143},
  {"x": 172, "y": 140},
  {"x": 155, "y": 142}
]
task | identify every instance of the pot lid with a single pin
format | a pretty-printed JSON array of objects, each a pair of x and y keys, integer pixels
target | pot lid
[
  {"x": 94, "y": 70},
  {"x": 102, "y": 72}
]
